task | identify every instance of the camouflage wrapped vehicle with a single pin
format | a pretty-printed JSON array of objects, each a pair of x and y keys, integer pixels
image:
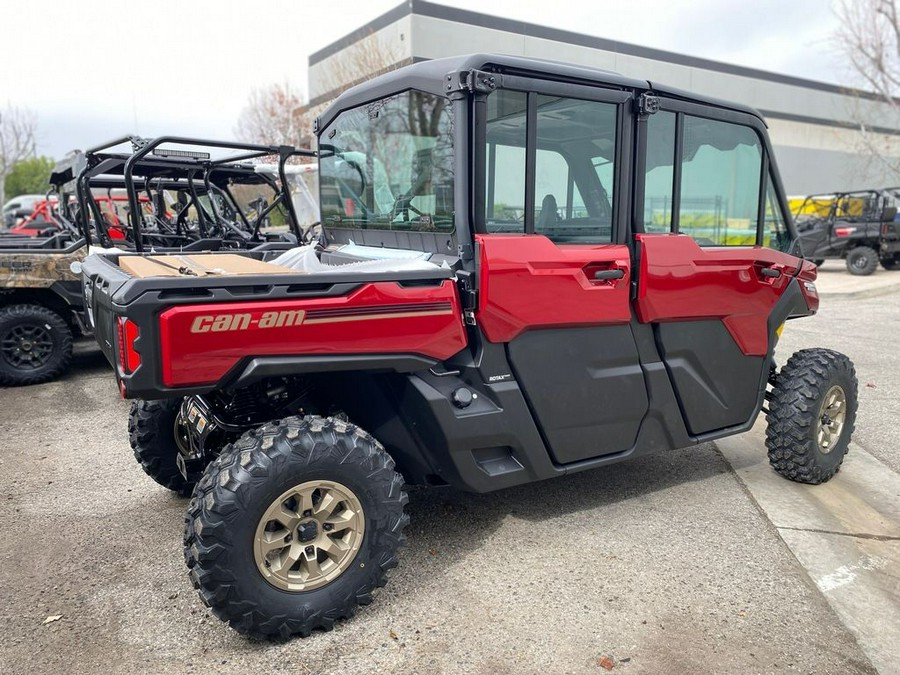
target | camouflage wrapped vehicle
[{"x": 40, "y": 312}]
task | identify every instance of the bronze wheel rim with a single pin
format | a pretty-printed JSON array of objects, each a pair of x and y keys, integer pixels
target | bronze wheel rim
[
  {"x": 832, "y": 416},
  {"x": 309, "y": 536}
]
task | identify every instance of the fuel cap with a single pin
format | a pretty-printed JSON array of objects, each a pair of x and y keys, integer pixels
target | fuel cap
[{"x": 462, "y": 397}]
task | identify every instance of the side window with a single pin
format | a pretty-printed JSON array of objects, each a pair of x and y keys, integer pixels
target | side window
[
  {"x": 505, "y": 174},
  {"x": 574, "y": 170},
  {"x": 775, "y": 232},
  {"x": 660, "y": 172},
  {"x": 721, "y": 165},
  {"x": 574, "y": 167}
]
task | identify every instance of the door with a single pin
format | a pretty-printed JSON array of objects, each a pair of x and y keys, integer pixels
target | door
[
  {"x": 815, "y": 238},
  {"x": 554, "y": 266},
  {"x": 713, "y": 261}
]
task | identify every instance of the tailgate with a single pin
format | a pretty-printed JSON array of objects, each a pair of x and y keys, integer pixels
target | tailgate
[{"x": 170, "y": 336}]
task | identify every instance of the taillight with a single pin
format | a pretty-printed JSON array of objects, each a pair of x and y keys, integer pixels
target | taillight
[
  {"x": 844, "y": 231},
  {"x": 129, "y": 358},
  {"x": 810, "y": 294}
]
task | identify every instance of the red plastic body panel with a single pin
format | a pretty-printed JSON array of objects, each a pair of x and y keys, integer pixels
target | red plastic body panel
[
  {"x": 527, "y": 281},
  {"x": 680, "y": 281},
  {"x": 200, "y": 343}
]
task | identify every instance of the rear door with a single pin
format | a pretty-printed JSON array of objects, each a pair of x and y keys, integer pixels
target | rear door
[
  {"x": 815, "y": 236},
  {"x": 712, "y": 257},
  {"x": 554, "y": 264}
]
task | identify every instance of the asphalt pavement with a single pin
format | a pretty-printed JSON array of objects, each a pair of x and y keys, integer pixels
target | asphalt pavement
[{"x": 667, "y": 563}]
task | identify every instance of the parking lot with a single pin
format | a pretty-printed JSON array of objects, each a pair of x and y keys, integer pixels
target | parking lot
[{"x": 666, "y": 563}]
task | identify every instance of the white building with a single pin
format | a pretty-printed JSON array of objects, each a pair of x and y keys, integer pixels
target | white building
[{"x": 812, "y": 124}]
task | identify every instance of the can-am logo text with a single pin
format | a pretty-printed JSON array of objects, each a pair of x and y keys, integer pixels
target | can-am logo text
[{"x": 220, "y": 323}]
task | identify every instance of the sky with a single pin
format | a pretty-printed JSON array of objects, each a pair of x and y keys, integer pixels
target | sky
[{"x": 93, "y": 70}]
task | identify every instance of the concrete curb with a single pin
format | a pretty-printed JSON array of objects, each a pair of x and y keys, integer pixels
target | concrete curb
[{"x": 845, "y": 533}]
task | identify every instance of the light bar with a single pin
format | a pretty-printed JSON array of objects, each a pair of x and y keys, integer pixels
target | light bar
[{"x": 165, "y": 152}]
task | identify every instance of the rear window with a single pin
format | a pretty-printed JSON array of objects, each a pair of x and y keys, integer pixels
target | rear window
[{"x": 389, "y": 165}]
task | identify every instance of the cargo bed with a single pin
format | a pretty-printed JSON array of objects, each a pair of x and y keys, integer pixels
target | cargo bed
[{"x": 168, "y": 335}]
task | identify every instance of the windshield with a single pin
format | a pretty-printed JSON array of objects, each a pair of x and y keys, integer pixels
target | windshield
[
  {"x": 389, "y": 165},
  {"x": 302, "y": 182}
]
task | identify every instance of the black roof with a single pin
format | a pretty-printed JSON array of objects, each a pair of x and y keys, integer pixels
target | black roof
[{"x": 431, "y": 76}]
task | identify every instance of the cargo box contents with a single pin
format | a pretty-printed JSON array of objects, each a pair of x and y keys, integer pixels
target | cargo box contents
[
  {"x": 196, "y": 265},
  {"x": 302, "y": 260},
  {"x": 354, "y": 259}
]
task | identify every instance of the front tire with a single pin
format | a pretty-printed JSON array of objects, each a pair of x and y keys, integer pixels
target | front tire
[
  {"x": 154, "y": 431},
  {"x": 35, "y": 345},
  {"x": 812, "y": 415},
  {"x": 891, "y": 262},
  {"x": 294, "y": 525},
  {"x": 862, "y": 261}
]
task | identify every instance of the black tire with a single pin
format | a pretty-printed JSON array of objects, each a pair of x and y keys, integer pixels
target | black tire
[
  {"x": 818, "y": 262},
  {"x": 151, "y": 432},
  {"x": 891, "y": 262},
  {"x": 796, "y": 409},
  {"x": 862, "y": 261},
  {"x": 236, "y": 490},
  {"x": 35, "y": 345}
]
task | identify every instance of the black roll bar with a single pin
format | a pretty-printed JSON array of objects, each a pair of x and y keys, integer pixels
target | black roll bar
[{"x": 252, "y": 151}]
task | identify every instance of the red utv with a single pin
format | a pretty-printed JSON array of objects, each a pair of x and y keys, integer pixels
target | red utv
[{"x": 526, "y": 269}]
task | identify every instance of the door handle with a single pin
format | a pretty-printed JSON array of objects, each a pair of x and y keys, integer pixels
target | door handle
[
  {"x": 607, "y": 275},
  {"x": 770, "y": 272}
]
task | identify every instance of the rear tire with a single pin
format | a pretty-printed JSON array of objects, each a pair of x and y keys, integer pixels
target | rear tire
[
  {"x": 261, "y": 548},
  {"x": 891, "y": 262},
  {"x": 35, "y": 345},
  {"x": 812, "y": 415},
  {"x": 862, "y": 261},
  {"x": 152, "y": 429}
]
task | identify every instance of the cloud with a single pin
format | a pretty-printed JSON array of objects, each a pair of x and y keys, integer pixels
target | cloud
[{"x": 95, "y": 69}]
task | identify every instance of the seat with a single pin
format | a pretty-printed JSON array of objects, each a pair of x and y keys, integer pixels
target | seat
[{"x": 549, "y": 216}]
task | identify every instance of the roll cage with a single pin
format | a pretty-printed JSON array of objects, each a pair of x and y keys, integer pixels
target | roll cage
[{"x": 202, "y": 182}]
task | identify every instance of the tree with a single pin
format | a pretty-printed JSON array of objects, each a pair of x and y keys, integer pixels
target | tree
[
  {"x": 869, "y": 37},
  {"x": 281, "y": 113},
  {"x": 275, "y": 115},
  {"x": 29, "y": 176},
  {"x": 17, "y": 129}
]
